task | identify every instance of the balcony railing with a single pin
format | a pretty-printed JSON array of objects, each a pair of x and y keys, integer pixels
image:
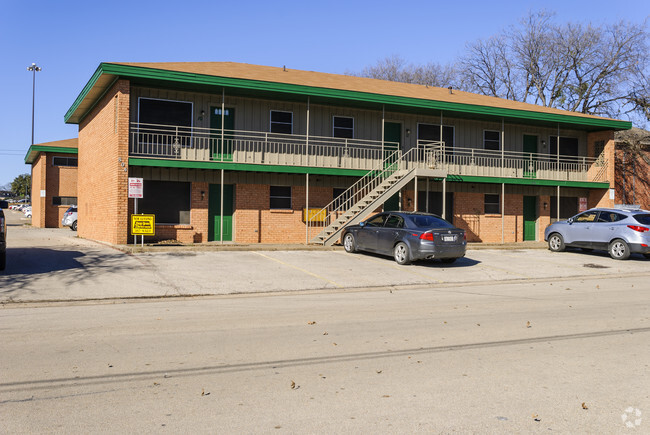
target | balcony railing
[{"x": 237, "y": 146}]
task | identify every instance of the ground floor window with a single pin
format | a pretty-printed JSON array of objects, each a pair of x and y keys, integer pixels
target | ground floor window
[
  {"x": 168, "y": 200},
  {"x": 64, "y": 200},
  {"x": 280, "y": 197},
  {"x": 492, "y": 204},
  {"x": 568, "y": 207}
]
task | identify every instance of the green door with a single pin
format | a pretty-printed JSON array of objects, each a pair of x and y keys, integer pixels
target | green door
[
  {"x": 530, "y": 148},
  {"x": 222, "y": 149},
  {"x": 530, "y": 217},
  {"x": 392, "y": 133},
  {"x": 214, "y": 212}
]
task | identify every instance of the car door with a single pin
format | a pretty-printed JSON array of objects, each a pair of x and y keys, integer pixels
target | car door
[
  {"x": 367, "y": 235},
  {"x": 580, "y": 231},
  {"x": 606, "y": 228},
  {"x": 389, "y": 234}
]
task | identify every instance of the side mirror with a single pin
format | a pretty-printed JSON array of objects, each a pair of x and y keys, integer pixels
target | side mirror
[
  {"x": 4, "y": 204},
  {"x": 570, "y": 220}
]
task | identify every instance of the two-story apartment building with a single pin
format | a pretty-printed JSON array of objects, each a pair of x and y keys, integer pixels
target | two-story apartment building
[{"x": 256, "y": 154}]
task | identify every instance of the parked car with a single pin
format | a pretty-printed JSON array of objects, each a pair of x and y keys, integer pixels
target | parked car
[
  {"x": 407, "y": 236},
  {"x": 70, "y": 218},
  {"x": 27, "y": 211},
  {"x": 618, "y": 231},
  {"x": 3, "y": 236}
]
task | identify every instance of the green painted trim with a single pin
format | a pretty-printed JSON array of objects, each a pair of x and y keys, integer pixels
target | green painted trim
[
  {"x": 84, "y": 92},
  {"x": 134, "y": 161},
  {"x": 176, "y": 76},
  {"x": 526, "y": 181},
  {"x": 35, "y": 150}
]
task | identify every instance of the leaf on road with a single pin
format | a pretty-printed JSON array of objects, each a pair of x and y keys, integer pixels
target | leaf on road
[
  {"x": 385, "y": 396},
  {"x": 203, "y": 393},
  {"x": 528, "y": 325},
  {"x": 584, "y": 406},
  {"x": 379, "y": 371},
  {"x": 536, "y": 417},
  {"x": 293, "y": 385},
  {"x": 325, "y": 333},
  {"x": 311, "y": 323}
]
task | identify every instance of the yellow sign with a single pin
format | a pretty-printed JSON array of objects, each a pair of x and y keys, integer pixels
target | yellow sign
[
  {"x": 143, "y": 225},
  {"x": 313, "y": 214}
]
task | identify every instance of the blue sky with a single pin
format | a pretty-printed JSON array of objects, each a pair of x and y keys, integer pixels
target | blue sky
[{"x": 69, "y": 39}]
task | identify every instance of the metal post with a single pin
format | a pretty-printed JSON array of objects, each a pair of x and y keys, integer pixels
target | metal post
[
  {"x": 503, "y": 138},
  {"x": 444, "y": 145},
  {"x": 308, "y": 221},
  {"x": 383, "y": 116},
  {"x": 34, "y": 69},
  {"x": 415, "y": 200},
  {"x": 221, "y": 208},
  {"x": 503, "y": 209},
  {"x": 135, "y": 211},
  {"x": 558, "y": 202},
  {"x": 223, "y": 116},
  {"x": 444, "y": 198},
  {"x": 307, "y": 136},
  {"x": 426, "y": 201}
]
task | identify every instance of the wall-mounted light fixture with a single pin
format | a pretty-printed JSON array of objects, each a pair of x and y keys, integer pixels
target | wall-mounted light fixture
[
  {"x": 545, "y": 205},
  {"x": 202, "y": 194},
  {"x": 201, "y": 115},
  {"x": 409, "y": 202},
  {"x": 408, "y": 132}
]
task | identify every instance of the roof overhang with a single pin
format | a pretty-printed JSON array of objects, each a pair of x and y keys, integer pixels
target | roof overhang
[
  {"x": 35, "y": 150},
  {"x": 107, "y": 73}
]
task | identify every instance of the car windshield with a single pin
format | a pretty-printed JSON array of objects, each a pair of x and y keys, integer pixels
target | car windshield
[
  {"x": 642, "y": 218},
  {"x": 429, "y": 222}
]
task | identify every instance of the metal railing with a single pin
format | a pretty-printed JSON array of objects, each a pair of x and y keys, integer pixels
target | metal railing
[
  {"x": 514, "y": 164},
  {"x": 254, "y": 147},
  {"x": 204, "y": 144}
]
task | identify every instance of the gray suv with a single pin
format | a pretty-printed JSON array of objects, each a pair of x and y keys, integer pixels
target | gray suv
[
  {"x": 619, "y": 231},
  {"x": 3, "y": 236}
]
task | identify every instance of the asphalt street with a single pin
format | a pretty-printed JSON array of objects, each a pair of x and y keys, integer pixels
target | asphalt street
[{"x": 505, "y": 341}]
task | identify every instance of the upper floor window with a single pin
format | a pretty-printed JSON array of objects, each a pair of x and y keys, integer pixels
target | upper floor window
[
  {"x": 568, "y": 145},
  {"x": 164, "y": 112},
  {"x": 491, "y": 140},
  {"x": 431, "y": 133},
  {"x": 281, "y": 122},
  {"x": 64, "y": 161},
  {"x": 343, "y": 127}
]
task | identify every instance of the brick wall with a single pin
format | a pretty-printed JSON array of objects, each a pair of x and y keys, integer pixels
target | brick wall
[
  {"x": 469, "y": 215},
  {"x": 600, "y": 197},
  {"x": 255, "y": 222},
  {"x": 56, "y": 181},
  {"x": 38, "y": 184},
  {"x": 103, "y": 191},
  {"x": 633, "y": 178}
]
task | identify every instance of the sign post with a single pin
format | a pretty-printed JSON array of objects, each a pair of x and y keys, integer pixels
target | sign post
[{"x": 136, "y": 190}]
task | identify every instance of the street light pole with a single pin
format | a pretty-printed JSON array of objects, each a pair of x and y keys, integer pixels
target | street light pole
[{"x": 33, "y": 68}]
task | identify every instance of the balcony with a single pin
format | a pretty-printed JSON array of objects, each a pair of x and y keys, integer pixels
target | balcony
[{"x": 263, "y": 148}]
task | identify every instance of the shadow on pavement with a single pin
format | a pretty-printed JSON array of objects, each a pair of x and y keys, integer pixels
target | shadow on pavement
[{"x": 461, "y": 262}]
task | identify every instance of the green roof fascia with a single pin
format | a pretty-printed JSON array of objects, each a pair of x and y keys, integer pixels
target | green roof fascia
[
  {"x": 35, "y": 150},
  {"x": 176, "y": 76},
  {"x": 527, "y": 181},
  {"x": 247, "y": 167}
]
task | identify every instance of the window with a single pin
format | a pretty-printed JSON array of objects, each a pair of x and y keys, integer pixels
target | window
[
  {"x": 430, "y": 222},
  {"x": 64, "y": 161},
  {"x": 164, "y": 112},
  {"x": 280, "y": 197},
  {"x": 64, "y": 200},
  {"x": 281, "y": 122},
  {"x": 377, "y": 221},
  {"x": 599, "y": 147},
  {"x": 568, "y": 145},
  {"x": 431, "y": 133},
  {"x": 492, "y": 140},
  {"x": 492, "y": 204},
  {"x": 394, "y": 222},
  {"x": 610, "y": 216},
  {"x": 343, "y": 127},
  {"x": 168, "y": 200},
  {"x": 589, "y": 216}
]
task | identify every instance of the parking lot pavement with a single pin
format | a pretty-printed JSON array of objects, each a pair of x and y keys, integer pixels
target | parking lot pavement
[{"x": 54, "y": 265}]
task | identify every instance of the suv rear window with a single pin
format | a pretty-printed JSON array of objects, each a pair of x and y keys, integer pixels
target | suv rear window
[{"x": 642, "y": 218}]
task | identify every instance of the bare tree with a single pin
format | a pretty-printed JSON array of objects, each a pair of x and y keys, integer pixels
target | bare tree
[{"x": 395, "y": 68}]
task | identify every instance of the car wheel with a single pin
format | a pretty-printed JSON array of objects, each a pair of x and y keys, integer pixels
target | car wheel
[
  {"x": 448, "y": 260},
  {"x": 3, "y": 260},
  {"x": 349, "y": 243},
  {"x": 401, "y": 253},
  {"x": 73, "y": 227},
  {"x": 556, "y": 243},
  {"x": 619, "y": 250}
]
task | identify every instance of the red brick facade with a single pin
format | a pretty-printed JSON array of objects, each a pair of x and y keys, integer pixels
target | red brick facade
[
  {"x": 55, "y": 181},
  {"x": 103, "y": 168}
]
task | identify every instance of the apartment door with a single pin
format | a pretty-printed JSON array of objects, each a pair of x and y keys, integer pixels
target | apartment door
[
  {"x": 392, "y": 133},
  {"x": 530, "y": 148},
  {"x": 530, "y": 217},
  {"x": 222, "y": 145},
  {"x": 214, "y": 212}
]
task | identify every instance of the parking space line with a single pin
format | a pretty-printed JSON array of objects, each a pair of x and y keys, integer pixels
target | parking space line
[{"x": 300, "y": 269}]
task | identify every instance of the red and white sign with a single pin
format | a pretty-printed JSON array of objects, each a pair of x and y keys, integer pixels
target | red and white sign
[
  {"x": 135, "y": 188},
  {"x": 582, "y": 204}
]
